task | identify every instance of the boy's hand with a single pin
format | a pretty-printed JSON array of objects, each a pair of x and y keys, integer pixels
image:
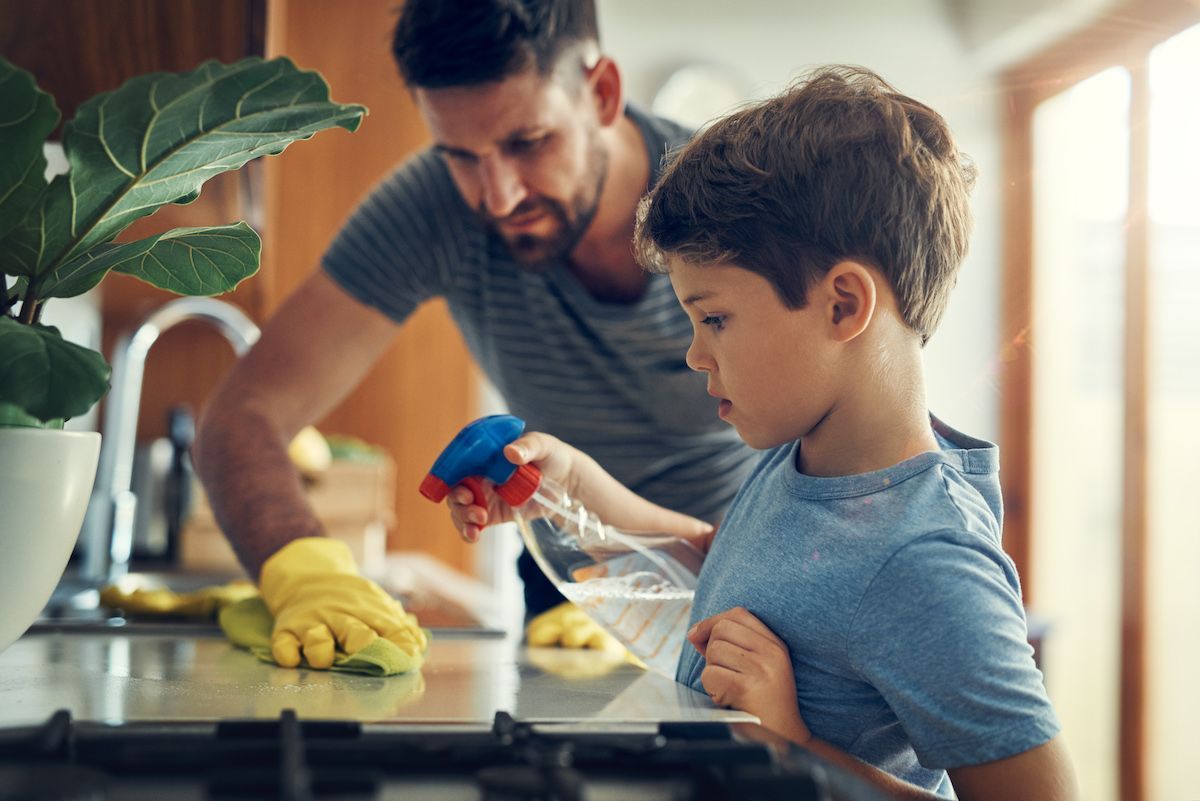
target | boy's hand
[
  {"x": 549, "y": 454},
  {"x": 749, "y": 669},
  {"x": 584, "y": 479},
  {"x": 469, "y": 517}
]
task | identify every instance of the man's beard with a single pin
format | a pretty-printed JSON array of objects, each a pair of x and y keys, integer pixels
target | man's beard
[{"x": 537, "y": 253}]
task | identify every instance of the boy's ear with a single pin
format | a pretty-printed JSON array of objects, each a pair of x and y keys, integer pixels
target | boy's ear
[
  {"x": 607, "y": 90},
  {"x": 849, "y": 294}
]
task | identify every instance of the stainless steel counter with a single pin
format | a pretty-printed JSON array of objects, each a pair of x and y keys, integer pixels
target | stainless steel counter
[{"x": 116, "y": 677}]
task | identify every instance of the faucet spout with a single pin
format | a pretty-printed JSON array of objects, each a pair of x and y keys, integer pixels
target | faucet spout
[{"x": 108, "y": 526}]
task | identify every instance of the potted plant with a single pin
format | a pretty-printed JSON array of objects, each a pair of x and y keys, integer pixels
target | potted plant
[{"x": 153, "y": 141}]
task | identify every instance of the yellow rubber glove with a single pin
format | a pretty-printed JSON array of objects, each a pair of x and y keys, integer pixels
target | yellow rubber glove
[
  {"x": 567, "y": 626},
  {"x": 320, "y": 603},
  {"x": 202, "y": 603}
]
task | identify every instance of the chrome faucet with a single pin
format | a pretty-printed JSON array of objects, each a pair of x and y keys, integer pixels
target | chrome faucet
[{"x": 108, "y": 526}]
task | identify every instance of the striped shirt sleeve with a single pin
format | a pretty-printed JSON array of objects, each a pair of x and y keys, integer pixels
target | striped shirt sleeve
[{"x": 400, "y": 246}]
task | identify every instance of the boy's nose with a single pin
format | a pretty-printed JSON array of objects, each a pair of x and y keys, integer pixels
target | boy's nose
[
  {"x": 697, "y": 359},
  {"x": 502, "y": 187}
]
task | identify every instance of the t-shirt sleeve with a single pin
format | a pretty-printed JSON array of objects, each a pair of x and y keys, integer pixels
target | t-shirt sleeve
[
  {"x": 941, "y": 634},
  {"x": 402, "y": 244}
]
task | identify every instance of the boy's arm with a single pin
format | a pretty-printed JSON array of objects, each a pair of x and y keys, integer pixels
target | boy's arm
[
  {"x": 749, "y": 668},
  {"x": 1043, "y": 773}
]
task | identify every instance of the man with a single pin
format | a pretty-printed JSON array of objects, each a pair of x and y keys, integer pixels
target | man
[{"x": 521, "y": 217}]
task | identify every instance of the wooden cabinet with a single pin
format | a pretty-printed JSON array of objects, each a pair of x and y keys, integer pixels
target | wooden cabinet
[
  {"x": 78, "y": 48},
  {"x": 424, "y": 388}
]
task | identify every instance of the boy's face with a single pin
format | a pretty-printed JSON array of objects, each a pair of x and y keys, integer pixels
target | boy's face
[
  {"x": 526, "y": 154},
  {"x": 769, "y": 365}
]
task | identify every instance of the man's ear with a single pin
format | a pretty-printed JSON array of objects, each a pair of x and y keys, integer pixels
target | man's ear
[
  {"x": 607, "y": 90},
  {"x": 848, "y": 293}
]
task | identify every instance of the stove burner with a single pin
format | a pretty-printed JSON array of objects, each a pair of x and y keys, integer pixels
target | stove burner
[
  {"x": 293, "y": 760},
  {"x": 51, "y": 783}
]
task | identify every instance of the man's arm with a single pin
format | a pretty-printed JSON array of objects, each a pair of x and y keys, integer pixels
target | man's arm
[{"x": 312, "y": 352}]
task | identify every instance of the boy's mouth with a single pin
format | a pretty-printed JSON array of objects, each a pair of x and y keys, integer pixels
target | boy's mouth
[{"x": 723, "y": 408}]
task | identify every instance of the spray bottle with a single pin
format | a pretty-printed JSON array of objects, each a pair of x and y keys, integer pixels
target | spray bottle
[{"x": 637, "y": 586}]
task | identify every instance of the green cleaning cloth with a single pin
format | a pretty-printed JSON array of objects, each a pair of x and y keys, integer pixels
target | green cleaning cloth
[{"x": 248, "y": 624}]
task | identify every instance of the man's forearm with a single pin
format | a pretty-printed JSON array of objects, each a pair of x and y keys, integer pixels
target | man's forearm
[{"x": 253, "y": 489}]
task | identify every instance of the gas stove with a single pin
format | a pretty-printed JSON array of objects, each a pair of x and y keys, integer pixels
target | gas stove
[{"x": 290, "y": 759}]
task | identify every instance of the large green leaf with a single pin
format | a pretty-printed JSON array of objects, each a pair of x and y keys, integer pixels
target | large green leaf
[
  {"x": 186, "y": 261},
  {"x": 45, "y": 375},
  {"x": 27, "y": 116},
  {"x": 159, "y": 137},
  {"x": 13, "y": 292}
]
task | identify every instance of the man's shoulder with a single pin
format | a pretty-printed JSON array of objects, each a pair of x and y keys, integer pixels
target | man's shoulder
[
  {"x": 663, "y": 136},
  {"x": 419, "y": 201},
  {"x": 420, "y": 178},
  {"x": 670, "y": 132},
  {"x": 410, "y": 237}
]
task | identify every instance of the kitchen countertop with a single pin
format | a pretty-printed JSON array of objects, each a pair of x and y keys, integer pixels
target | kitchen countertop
[{"x": 116, "y": 676}]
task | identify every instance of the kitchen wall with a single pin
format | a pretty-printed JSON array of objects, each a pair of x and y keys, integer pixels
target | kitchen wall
[
  {"x": 424, "y": 387},
  {"x": 936, "y": 51},
  {"x": 918, "y": 45}
]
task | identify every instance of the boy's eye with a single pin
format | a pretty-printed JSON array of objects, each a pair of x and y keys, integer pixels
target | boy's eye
[{"x": 715, "y": 320}]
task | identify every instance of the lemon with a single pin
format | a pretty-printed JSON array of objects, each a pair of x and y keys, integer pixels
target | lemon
[{"x": 310, "y": 452}]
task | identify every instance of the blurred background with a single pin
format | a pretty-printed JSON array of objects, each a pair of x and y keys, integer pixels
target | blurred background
[{"x": 1071, "y": 339}]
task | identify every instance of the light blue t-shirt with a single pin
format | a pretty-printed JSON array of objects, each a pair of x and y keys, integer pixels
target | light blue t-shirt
[{"x": 900, "y": 610}]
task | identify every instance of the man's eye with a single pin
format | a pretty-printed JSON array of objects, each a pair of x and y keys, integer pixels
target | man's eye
[
  {"x": 715, "y": 320},
  {"x": 525, "y": 146},
  {"x": 455, "y": 155}
]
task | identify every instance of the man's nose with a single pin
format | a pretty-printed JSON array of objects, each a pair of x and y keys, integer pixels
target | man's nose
[{"x": 503, "y": 189}]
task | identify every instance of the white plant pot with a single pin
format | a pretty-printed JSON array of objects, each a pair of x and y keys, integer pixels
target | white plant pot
[{"x": 45, "y": 481}]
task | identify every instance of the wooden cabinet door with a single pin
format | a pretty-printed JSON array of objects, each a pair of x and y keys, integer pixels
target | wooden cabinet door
[{"x": 424, "y": 388}]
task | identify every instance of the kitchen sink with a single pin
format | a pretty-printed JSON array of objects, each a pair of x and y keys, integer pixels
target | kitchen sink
[{"x": 75, "y": 607}]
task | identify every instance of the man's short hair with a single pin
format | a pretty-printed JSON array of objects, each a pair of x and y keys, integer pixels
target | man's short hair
[
  {"x": 841, "y": 166},
  {"x": 444, "y": 43}
]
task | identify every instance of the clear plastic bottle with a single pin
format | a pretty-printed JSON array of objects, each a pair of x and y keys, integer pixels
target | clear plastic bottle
[{"x": 637, "y": 586}]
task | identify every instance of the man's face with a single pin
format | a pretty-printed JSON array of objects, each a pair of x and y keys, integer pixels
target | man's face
[
  {"x": 768, "y": 365},
  {"x": 526, "y": 154}
]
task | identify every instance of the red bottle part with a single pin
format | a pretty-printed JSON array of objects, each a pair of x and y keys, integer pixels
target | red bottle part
[
  {"x": 521, "y": 485},
  {"x": 477, "y": 452}
]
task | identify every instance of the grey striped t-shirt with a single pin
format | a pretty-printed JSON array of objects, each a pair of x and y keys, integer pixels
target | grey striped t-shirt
[{"x": 609, "y": 378}]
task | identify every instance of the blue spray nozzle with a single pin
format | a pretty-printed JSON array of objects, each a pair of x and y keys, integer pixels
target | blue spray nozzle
[{"x": 477, "y": 451}]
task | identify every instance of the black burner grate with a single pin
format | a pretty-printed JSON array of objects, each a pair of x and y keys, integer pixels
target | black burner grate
[{"x": 293, "y": 760}]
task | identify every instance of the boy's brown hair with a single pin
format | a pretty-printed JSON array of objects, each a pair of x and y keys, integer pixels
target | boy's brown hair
[{"x": 841, "y": 166}]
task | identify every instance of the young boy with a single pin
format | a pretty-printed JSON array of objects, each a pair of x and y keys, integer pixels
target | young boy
[{"x": 857, "y": 598}]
